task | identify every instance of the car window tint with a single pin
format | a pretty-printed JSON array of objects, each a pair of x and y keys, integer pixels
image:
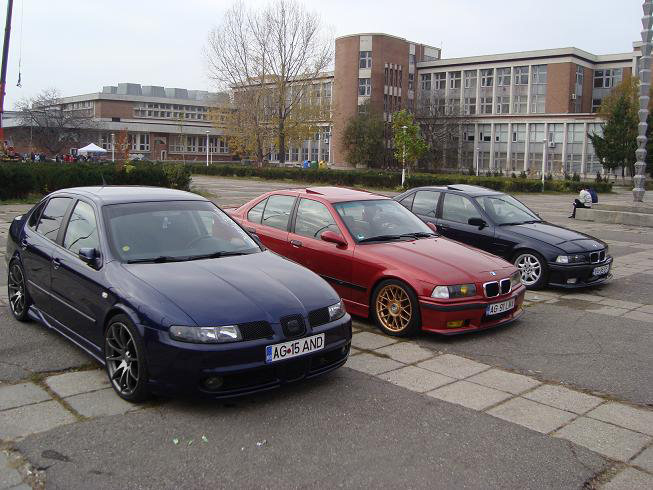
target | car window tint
[
  {"x": 313, "y": 219},
  {"x": 407, "y": 202},
  {"x": 426, "y": 203},
  {"x": 458, "y": 208},
  {"x": 52, "y": 216},
  {"x": 256, "y": 213},
  {"x": 82, "y": 229},
  {"x": 277, "y": 211}
]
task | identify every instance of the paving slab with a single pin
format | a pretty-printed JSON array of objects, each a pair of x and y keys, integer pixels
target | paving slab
[
  {"x": 607, "y": 310},
  {"x": 99, "y": 403},
  {"x": 371, "y": 364},
  {"x": 626, "y": 416},
  {"x": 454, "y": 366},
  {"x": 532, "y": 415},
  {"x": 371, "y": 341},
  {"x": 30, "y": 419},
  {"x": 416, "y": 379},
  {"x": 504, "y": 381},
  {"x": 592, "y": 298},
  {"x": 645, "y": 460},
  {"x": 630, "y": 479},
  {"x": 469, "y": 395},
  {"x": 12, "y": 396},
  {"x": 639, "y": 316},
  {"x": 645, "y": 309},
  {"x": 608, "y": 440},
  {"x": 563, "y": 398},
  {"x": 9, "y": 477},
  {"x": 69, "y": 384},
  {"x": 618, "y": 303},
  {"x": 406, "y": 352}
]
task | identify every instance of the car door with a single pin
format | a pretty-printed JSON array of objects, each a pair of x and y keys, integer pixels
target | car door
[
  {"x": 77, "y": 286},
  {"x": 425, "y": 205},
  {"x": 456, "y": 210},
  {"x": 331, "y": 261},
  {"x": 38, "y": 244},
  {"x": 269, "y": 220}
]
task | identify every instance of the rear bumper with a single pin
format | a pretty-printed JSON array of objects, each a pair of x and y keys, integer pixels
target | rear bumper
[
  {"x": 560, "y": 275},
  {"x": 436, "y": 315}
]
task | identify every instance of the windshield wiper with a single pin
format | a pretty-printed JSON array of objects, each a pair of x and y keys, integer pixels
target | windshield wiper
[
  {"x": 216, "y": 255},
  {"x": 157, "y": 260},
  {"x": 419, "y": 234},
  {"x": 385, "y": 238}
]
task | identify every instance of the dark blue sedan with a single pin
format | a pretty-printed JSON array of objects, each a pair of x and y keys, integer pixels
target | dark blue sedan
[{"x": 170, "y": 294}]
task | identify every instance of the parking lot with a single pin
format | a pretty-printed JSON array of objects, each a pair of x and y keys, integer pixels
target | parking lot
[{"x": 561, "y": 398}]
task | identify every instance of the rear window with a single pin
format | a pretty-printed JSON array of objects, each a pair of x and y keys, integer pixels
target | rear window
[
  {"x": 50, "y": 220},
  {"x": 277, "y": 211}
]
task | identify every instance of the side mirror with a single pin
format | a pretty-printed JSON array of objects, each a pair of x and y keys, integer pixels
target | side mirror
[
  {"x": 432, "y": 226},
  {"x": 333, "y": 237},
  {"x": 477, "y": 222},
  {"x": 89, "y": 256}
]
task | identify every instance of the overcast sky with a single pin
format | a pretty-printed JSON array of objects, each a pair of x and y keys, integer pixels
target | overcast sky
[{"x": 77, "y": 46}]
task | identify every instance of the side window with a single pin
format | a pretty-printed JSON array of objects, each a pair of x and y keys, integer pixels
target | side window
[
  {"x": 313, "y": 218},
  {"x": 256, "y": 213},
  {"x": 407, "y": 202},
  {"x": 52, "y": 216},
  {"x": 277, "y": 211},
  {"x": 458, "y": 208},
  {"x": 34, "y": 217},
  {"x": 82, "y": 229},
  {"x": 426, "y": 203}
]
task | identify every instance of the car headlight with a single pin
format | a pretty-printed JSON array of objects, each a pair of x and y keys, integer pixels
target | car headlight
[
  {"x": 206, "y": 335},
  {"x": 336, "y": 311},
  {"x": 515, "y": 279},
  {"x": 570, "y": 259},
  {"x": 457, "y": 291}
]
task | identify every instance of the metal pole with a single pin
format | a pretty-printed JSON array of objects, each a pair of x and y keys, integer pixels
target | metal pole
[
  {"x": 113, "y": 147},
  {"x": 478, "y": 160},
  {"x": 403, "y": 166},
  {"x": 644, "y": 87},
  {"x": 544, "y": 143},
  {"x": 207, "y": 147},
  {"x": 3, "y": 70}
]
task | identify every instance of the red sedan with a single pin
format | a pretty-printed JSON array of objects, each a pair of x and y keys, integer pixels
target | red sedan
[{"x": 385, "y": 262}]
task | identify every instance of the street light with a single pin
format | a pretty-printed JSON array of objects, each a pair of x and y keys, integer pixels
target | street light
[
  {"x": 544, "y": 157},
  {"x": 113, "y": 147},
  {"x": 478, "y": 158},
  {"x": 207, "y": 147},
  {"x": 403, "y": 166}
]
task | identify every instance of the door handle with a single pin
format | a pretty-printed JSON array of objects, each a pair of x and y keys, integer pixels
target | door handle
[
  {"x": 56, "y": 263},
  {"x": 23, "y": 244},
  {"x": 296, "y": 243}
]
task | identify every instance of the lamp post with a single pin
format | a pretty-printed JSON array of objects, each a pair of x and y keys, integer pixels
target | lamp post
[
  {"x": 403, "y": 166},
  {"x": 644, "y": 87},
  {"x": 544, "y": 157},
  {"x": 207, "y": 147},
  {"x": 478, "y": 157},
  {"x": 113, "y": 147}
]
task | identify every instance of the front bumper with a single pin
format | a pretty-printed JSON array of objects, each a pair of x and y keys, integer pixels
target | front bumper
[
  {"x": 559, "y": 275},
  {"x": 178, "y": 368},
  {"x": 435, "y": 315}
]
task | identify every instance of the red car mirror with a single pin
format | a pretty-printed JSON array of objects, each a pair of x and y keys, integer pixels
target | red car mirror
[{"x": 333, "y": 237}]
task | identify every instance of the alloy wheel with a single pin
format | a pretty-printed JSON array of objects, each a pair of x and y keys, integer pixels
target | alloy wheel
[
  {"x": 122, "y": 359},
  {"x": 16, "y": 289},
  {"x": 530, "y": 267},
  {"x": 393, "y": 308}
]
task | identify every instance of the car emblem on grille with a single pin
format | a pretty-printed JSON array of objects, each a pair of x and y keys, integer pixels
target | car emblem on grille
[{"x": 492, "y": 273}]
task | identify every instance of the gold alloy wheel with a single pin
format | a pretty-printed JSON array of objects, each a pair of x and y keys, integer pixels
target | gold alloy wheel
[{"x": 393, "y": 308}]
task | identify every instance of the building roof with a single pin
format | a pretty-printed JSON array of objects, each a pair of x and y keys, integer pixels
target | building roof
[{"x": 117, "y": 194}]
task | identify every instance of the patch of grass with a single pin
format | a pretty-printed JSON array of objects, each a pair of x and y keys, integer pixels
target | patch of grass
[{"x": 32, "y": 198}]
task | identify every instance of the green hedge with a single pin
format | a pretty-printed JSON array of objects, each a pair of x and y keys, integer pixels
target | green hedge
[
  {"x": 391, "y": 180},
  {"x": 18, "y": 180}
]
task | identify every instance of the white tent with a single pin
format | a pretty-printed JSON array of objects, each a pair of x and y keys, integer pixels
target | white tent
[{"x": 92, "y": 148}]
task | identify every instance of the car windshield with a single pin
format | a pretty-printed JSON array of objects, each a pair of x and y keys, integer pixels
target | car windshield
[
  {"x": 380, "y": 220},
  {"x": 173, "y": 231},
  {"x": 504, "y": 209}
]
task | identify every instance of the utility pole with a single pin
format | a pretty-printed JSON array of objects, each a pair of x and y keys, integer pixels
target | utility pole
[{"x": 3, "y": 70}]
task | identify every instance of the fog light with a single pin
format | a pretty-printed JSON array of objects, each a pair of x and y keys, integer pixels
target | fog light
[
  {"x": 572, "y": 280},
  {"x": 213, "y": 383},
  {"x": 455, "y": 324}
]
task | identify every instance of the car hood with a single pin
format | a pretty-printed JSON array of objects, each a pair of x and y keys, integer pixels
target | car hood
[
  {"x": 568, "y": 240},
  {"x": 239, "y": 289},
  {"x": 441, "y": 260}
]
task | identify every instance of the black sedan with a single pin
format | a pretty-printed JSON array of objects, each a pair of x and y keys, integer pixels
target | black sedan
[
  {"x": 500, "y": 224},
  {"x": 171, "y": 294}
]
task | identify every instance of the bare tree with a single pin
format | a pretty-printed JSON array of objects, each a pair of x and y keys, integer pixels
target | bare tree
[
  {"x": 269, "y": 59},
  {"x": 54, "y": 125}
]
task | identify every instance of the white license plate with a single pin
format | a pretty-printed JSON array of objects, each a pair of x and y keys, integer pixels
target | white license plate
[
  {"x": 294, "y": 348},
  {"x": 497, "y": 308},
  {"x": 599, "y": 271}
]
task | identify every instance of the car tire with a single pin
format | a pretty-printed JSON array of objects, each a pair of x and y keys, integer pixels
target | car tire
[
  {"x": 533, "y": 268},
  {"x": 395, "y": 308},
  {"x": 19, "y": 299},
  {"x": 125, "y": 360}
]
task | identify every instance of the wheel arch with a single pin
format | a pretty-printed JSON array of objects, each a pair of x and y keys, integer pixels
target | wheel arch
[{"x": 120, "y": 309}]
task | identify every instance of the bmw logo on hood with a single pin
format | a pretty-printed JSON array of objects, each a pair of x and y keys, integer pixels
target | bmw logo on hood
[{"x": 492, "y": 273}]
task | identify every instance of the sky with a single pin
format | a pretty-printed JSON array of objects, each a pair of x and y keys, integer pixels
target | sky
[{"x": 78, "y": 46}]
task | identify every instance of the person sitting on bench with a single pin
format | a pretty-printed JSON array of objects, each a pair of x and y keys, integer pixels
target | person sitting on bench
[{"x": 584, "y": 200}]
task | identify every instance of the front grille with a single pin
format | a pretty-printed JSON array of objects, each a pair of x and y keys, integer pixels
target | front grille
[
  {"x": 293, "y": 326},
  {"x": 491, "y": 289},
  {"x": 505, "y": 286},
  {"x": 596, "y": 257},
  {"x": 318, "y": 317},
  {"x": 255, "y": 330}
]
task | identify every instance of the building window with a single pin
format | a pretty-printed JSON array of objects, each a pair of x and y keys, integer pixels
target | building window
[
  {"x": 470, "y": 106},
  {"x": 503, "y": 77},
  {"x": 411, "y": 59},
  {"x": 365, "y": 60},
  {"x": 486, "y": 105},
  {"x": 144, "y": 142},
  {"x": 580, "y": 77},
  {"x": 470, "y": 79},
  {"x": 487, "y": 78},
  {"x": 607, "y": 78},
  {"x": 596, "y": 105},
  {"x": 518, "y": 133},
  {"x": 385, "y": 76},
  {"x": 364, "y": 86},
  {"x": 327, "y": 89},
  {"x": 454, "y": 80},
  {"x": 426, "y": 81},
  {"x": 537, "y": 103},
  {"x": 521, "y": 75},
  {"x": 411, "y": 81},
  {"x": 519, "y": 104},
  {"x": 503, "y": 104},
  {"x": 539, "y": 74},
  {"x": 400, "y": 76},
  {"x": 439, "y": 80},
  {"x": 191, "y": 144}
]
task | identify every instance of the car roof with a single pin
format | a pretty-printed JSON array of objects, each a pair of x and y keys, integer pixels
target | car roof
[
  {"x": 118, "y": 194},
  {"x": 472, "y": 190},
  {"x": 334, "y": 194}
]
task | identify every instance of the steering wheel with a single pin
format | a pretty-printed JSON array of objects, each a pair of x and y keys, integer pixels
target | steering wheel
[{"x": 195, "y": 241}]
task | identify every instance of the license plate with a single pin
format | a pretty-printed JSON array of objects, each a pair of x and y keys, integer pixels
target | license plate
[
  {"x": 497, "y": 308},
  {"x": 599, "y": 271},
  {"x": 294, "y": 348}
]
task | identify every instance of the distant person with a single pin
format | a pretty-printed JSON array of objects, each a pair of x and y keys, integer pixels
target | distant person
[{"x": 584, "y": 200}]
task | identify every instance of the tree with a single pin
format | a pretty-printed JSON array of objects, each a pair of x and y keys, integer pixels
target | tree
[
  {"x": 269, "y": 59},
  {"x": 440, "y": 129},
  {"x": 409, "y": 146},
  {"x": 363, "y": 139},
  {"x": 122, "y": 148},
  {"x": 55, "y": 126}
]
